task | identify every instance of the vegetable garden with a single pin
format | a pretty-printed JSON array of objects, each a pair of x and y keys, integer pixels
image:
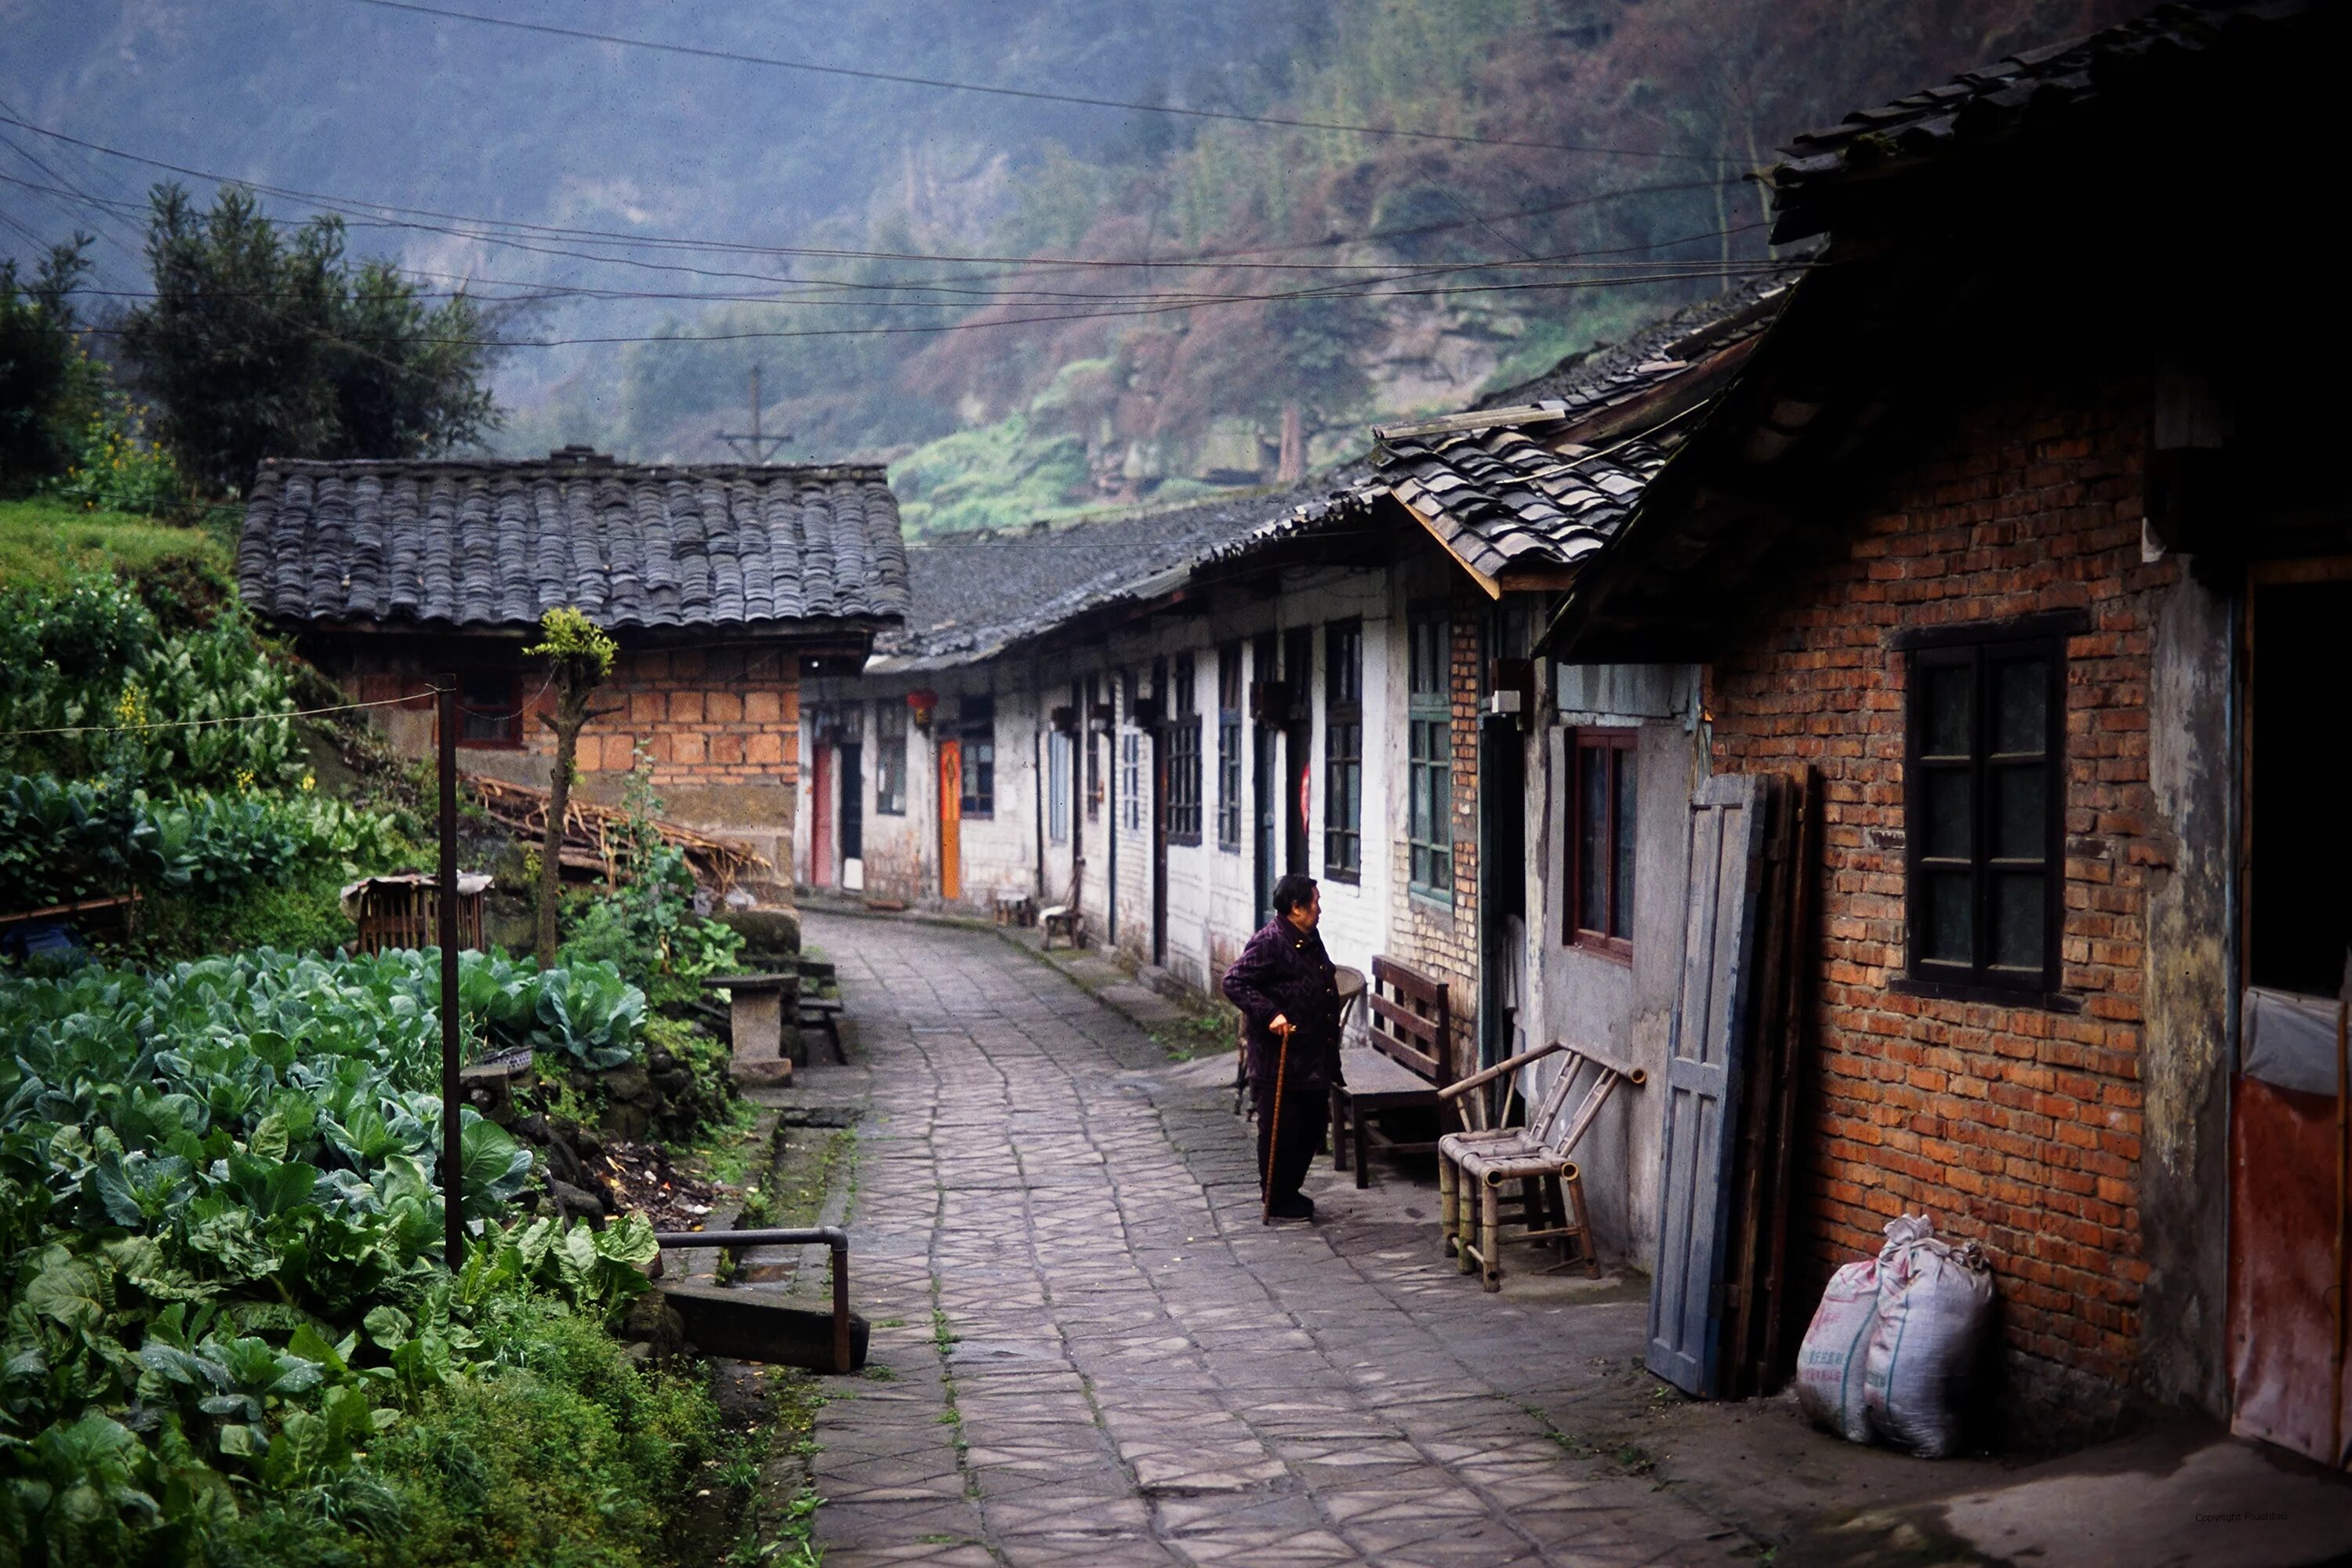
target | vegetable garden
[{"x": 230, "y": 1336}]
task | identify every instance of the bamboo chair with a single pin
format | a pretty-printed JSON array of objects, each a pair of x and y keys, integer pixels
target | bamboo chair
[{"x": 1538, "y": 1155}]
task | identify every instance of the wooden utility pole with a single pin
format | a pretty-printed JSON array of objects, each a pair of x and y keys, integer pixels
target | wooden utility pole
[
  {"x": 453, "y": 1165},
  {"x": 752, "y": 445}
]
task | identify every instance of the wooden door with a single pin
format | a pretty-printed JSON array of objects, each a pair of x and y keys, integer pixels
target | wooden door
[
  {"x": 1703, "y": 1061},
  {"x": 821, "y": 816},
  {"x": 952, "y": 820}
]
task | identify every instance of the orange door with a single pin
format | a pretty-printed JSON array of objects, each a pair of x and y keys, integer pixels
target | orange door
[{"x": 950, "y": 820}]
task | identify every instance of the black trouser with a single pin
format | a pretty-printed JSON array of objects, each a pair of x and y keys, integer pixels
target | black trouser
[{"x": 1287, "y": 1151}]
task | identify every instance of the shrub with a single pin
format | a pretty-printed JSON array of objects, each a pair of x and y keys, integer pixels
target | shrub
[{"x": 115, "y": 466}]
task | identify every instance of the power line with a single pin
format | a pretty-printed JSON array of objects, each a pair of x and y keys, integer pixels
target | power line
[
  {"x": 238, "y": 719},
  {"x": 1712, "y": 270},
  {"x": 364, "y": 212},
  {"x": 1033, "y": 95}
]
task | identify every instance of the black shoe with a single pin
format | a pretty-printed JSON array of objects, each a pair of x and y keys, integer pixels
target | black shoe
[{"x": 1297, "y": 1206}]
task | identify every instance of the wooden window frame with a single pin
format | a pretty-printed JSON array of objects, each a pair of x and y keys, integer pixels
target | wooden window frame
[
  {"x": 1343, "y": 766},
  {"x": 1229, "y": 748},
  {"x": 472, "y": 708},
  {"x": 890, "y": 758},
  {"x": 1981, "y": 648},
  {"x": 1183, "y": 736},
  {"x": 1611, "y": 741},
  {"x": 1433, "y": 708}
]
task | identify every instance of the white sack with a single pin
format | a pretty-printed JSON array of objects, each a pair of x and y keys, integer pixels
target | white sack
[
  {"x": 1934, "y": 1303},
  {"x": 1830, "y": 1364}
]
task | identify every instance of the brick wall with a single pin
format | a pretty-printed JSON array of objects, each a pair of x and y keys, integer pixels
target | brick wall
[
  {"x": 1441, "y": 943},
  {"x": 722, "y": 726},
  {"x": 2017, "y": 1126}
]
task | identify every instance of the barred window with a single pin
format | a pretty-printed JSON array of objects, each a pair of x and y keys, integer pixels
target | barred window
[
  {"x": 1229, "y": 747},
  {"x": 1184, "y": 737},
  {"x": 1343, "y": 751},
  {"x": 1429, "y": 715}
]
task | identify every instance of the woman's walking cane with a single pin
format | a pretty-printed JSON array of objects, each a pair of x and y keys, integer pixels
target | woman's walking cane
[{"x": 1273, "y": 1122}]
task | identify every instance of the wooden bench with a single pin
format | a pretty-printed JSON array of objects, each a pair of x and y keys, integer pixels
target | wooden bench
[{"x": 1409, "y": 1058}]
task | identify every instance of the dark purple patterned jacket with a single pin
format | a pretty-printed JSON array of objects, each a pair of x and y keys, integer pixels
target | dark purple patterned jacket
[{"x": 1285, "y": 971}]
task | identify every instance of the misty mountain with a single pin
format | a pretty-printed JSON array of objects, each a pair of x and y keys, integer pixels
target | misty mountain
[{"x": 692, "y": 217}]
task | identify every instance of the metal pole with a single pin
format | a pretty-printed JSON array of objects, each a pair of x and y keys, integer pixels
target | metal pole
[{"x": 452, "y": 1159}]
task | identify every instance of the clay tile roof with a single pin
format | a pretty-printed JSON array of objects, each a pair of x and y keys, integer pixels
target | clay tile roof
[
  {"x": 977, "y": 594},
  {"x": 2140, "y": 62},
  {"x": 1548, "y": 478},
  {"x": 496, "y": 544}
]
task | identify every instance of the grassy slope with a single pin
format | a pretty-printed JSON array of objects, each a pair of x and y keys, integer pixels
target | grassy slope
[{"x": 41, "y": 540}]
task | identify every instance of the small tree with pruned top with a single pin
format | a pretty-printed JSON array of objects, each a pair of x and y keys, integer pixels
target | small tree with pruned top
[{"x": 580, "y": 658}]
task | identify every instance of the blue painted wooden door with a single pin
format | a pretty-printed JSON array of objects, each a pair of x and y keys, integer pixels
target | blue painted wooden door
[{"x": 1702, "y": 1071}]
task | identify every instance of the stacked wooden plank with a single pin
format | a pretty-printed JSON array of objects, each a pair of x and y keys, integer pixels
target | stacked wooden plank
[{"x": 594, "y": 834}]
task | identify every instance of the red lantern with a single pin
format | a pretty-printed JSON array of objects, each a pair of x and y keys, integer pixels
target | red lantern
[{"x": 922, "y": 704}]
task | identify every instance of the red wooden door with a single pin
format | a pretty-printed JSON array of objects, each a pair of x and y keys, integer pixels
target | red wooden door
[
  {"x": 820, "y": 873},
  {"x": 950, "y": 820}
]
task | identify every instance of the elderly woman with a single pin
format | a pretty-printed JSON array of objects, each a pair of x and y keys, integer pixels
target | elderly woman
[{"x": 1285, "y": 985}]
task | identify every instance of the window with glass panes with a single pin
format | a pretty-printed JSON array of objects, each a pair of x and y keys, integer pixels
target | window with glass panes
[
  {"x": 1184, "y": 738},
  {"x": 977, "y": 718},
  {"x": 1600, "y": 839},
  {"x": 1982, "y": 810},
  {"x": 1229, "y": 747},
  {"x": 1343, "y": 751},
  {"x": 1429, "y": 719},
  {"x": 1130, "y": 779},
  {"x": 1057, "y": 787},
  {"x": 890, "y": 759}
]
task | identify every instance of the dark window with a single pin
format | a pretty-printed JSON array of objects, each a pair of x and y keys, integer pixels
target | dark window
[
  {"x": 1600, "y": 839},
  {"x": 1130, "y": 779},
  {"x": 1429, "y": 715},
  {"x": 890, "y": 758},
  {"x": 1982, "y": 811},
  {"x": 1343, "y": 751},
  {"x": 490, "y": 708},
  {"x": 1184, "y": 738},
  {"x": 1229, "y": 747},
  {"x": 978, "y": 716},
  {"x": 1094, "y": 785}
]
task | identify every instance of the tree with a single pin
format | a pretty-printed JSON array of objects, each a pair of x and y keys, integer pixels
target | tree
[
  {"x": 580, "y": 658},
  {"x": 47, "y": 385},
  {"x": 264, "y": 341}
]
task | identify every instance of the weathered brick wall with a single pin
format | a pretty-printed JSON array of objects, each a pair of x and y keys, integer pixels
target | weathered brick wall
[
  {"x": 1441, "y": 943},
  {"x": 2017, "y": 1126},
  {"x": 721, "y": 727}
]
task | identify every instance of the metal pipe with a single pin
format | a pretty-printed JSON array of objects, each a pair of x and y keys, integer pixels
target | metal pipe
[{"x": 830, "y": 1236}]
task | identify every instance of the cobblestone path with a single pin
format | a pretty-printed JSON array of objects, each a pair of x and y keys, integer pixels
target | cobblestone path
[{"x": 1095, "y": 1355}]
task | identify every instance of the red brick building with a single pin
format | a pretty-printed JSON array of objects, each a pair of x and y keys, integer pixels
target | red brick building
[
  {"x": 2015, "y": 534},
  {"x": 723, "y": 586}
]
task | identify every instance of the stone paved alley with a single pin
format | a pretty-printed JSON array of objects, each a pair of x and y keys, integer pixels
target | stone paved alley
[{"x": 1095, "y": 1355}]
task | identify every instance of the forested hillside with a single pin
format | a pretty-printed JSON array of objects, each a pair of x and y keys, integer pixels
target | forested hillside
[{"x": 874, "y": 247}]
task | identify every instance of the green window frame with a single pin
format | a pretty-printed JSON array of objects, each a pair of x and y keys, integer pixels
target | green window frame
[{"x": 1429, "y": 720}]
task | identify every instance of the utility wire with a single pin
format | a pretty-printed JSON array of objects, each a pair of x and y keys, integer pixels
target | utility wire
[
  {"x": 1033, "y": 95},
  {"x": 1714, "y": 270},
  {"x": 201, "y": 723},
  {"x": 507, "y": 231}
]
